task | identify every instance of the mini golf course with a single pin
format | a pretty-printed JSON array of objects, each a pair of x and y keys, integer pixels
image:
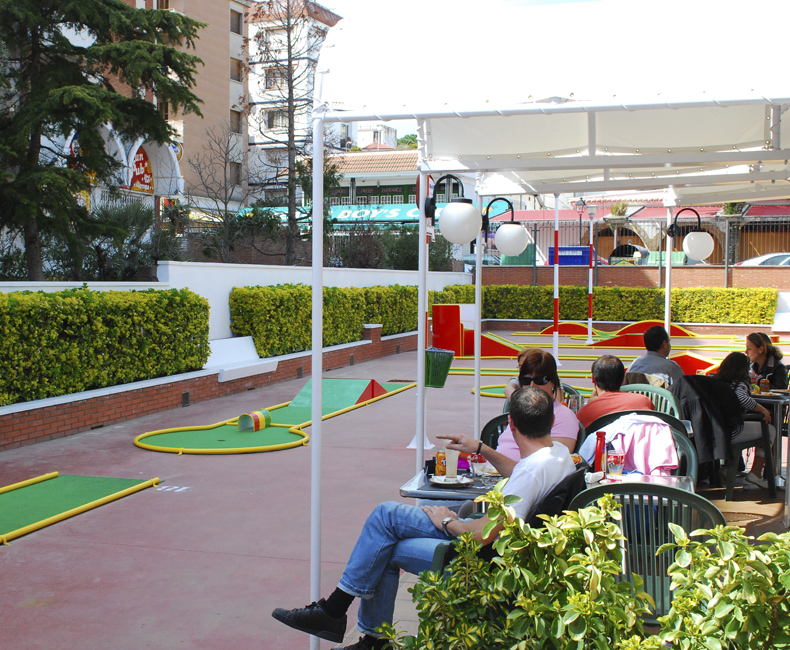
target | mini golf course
[
  {"x": 38, "y": 502},
  {"x": 273, "y": 428}
]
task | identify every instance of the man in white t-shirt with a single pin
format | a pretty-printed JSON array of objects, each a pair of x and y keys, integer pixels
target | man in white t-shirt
[{"x": 398, "y": 536}]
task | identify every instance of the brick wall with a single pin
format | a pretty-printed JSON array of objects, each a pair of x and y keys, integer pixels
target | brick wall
[
  {"x": 45, "y": 423},
  {"x": 771, "y": 277}
]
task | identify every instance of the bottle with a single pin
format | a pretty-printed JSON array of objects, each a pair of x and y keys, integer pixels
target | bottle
[{"x": 600, "y": 452}]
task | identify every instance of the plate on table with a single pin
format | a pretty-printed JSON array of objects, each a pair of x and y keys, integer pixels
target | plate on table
[
  {"x": 458, "y": 481},
  {"x": 769, "y": 394}
]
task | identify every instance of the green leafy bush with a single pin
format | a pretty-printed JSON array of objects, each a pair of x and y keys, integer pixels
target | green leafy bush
[
  {"x": 556, "y": 587},
  {"x": 66, "y": 342}
]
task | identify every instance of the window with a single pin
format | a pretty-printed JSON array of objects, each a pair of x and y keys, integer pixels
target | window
[
  {"x": 362, "y": 200},
  {"x": 236, "y": 67},
  {"x": 277, "y": 120},
  {"x": 163, "y": 4},
  {"x": 334, "y": 201},
  {"x": 412, "y": 198},
  {"x": 164, "y": 109},
  {"x": 345, "y": 200},
  {"x": 385, "y": 200},
  {"x": 275, "y": 78},
  {"x": 235, "y": 173},
  {"x": 236, "y": 22},
  {"x": 235, "y": 121}
]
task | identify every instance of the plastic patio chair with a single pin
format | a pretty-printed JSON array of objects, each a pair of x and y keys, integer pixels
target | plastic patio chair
[
  {"x": 647, "y": 510},
  {"x": 688, "y": 461},
  {"x": 493, "y": 429},
  {"x": 662, "y": 399}
]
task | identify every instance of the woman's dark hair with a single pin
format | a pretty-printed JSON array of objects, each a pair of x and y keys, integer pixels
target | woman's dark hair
[
  {"x": 538, "y": 363},
  {"x": 762, "y": 340},
  {"x": 735, "y": 366}
]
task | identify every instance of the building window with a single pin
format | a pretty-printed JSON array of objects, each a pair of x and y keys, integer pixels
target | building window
[
  {"x": 235, "y": 173},
  {"x": 275, "y": 78},
  {"x": 412, "y": 198},
  {"x": 334, "y": 201},
  {"x": 362, "y": 200},
  {"x": 385, "y": 200},
  {"x": 163, "y": 4},
  {"x": 164, "y": 109},
  {"x": 236, "y": 22},
  {"x": 277, "y": 120},
  {"x": 235, "y": 121},
  {"x": 345, "y": 200},
  {"x": 236, "y": 67}
]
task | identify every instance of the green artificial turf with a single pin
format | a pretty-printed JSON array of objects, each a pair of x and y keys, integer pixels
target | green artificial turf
[
  {"x": 28, "y": 505},
  {"x": 224, "y": 436}
]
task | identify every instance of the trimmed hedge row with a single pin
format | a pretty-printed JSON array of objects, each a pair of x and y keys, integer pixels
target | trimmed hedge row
[
  {"x": 66, "y": 342},
  {"x": 279, "y": 318}
]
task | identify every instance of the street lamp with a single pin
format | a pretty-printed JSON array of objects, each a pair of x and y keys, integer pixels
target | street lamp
[
  {"x": 697, "y": 245},
  {"x": 460, "y": 220},
  {"x": 511, "y": 238},
  {"x": 581, "y": 206}
]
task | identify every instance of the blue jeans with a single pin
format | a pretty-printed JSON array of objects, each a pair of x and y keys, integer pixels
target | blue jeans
[{"x": 396, "y": 536}]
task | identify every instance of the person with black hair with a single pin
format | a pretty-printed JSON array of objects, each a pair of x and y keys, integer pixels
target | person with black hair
[
  {"x": 655, "y": 362},
  {"x": 765, "y": 360},
  {"x": 734, "y": 370},
  {"x": 399, "y": 536},
  {"x": 608, "y": 373}
]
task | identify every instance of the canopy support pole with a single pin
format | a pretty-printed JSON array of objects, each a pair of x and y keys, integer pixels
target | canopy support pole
[
  {"x": 478, "y": 324},
  {"x": 555, "y": 346},
  {"x": 422, "y": 324},
  {"x": 668, "y": 281}
]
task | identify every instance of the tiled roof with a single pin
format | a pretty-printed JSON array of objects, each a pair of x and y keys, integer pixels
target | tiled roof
[{"x": 375, "y": 163}]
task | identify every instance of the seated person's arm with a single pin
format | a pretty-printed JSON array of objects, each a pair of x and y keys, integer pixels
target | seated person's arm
[
  {"x": 512, "y": 387},
  {"x": 467, "y": 445},
  {"x": 459, "y": 527}
]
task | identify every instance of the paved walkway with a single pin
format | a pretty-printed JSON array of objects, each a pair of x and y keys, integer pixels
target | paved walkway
[{"x": 201, "y": 562}]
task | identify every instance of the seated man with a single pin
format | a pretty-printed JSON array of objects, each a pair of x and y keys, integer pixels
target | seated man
[
  {"x": 608, "y": 373},
  {"x": 398, "y": 536},
  {"x": 655, "y": 362}
]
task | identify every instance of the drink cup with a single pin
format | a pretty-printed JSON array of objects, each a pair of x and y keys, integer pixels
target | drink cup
[
  {"x": 615, "y": 462},
  {"x": 574, "y": 402},
  {"x": 451, "y": 462}
]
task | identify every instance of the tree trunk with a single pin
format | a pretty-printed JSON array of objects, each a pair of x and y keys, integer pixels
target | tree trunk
[{"x": 35, "y": 265}]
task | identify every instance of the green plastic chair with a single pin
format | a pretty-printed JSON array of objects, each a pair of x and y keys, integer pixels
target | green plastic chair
[
  {"x": 647, "y": 510},
  {"x": 492, "y": 430},
  {"x": 580, "y": 438},
  {"x": 662, "y": 399},
  {"x": 688, "y": 460}
]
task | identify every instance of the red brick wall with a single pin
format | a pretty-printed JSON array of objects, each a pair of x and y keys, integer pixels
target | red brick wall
[
  {"x": 644, "y": 276},
  {"x": 45, "y": 423}
]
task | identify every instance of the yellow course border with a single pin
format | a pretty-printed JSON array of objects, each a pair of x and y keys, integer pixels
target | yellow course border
[
  {"x": 19, "y": 532},
  {"x": 30, "y": 481},
  {"x": 296, "y": 429}
]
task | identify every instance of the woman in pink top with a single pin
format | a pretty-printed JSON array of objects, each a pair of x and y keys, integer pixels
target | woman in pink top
[{"x": 540, "y": 368}]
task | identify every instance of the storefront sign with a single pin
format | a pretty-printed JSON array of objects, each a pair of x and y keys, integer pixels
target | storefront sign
[{"x": 142, "y": 178}]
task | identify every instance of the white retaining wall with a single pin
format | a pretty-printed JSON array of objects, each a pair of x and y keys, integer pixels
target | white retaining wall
[{"x": 215, "y": 281}]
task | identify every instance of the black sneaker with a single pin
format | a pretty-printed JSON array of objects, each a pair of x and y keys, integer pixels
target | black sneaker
[
  {"x": 313, "y": 620},
  {"x": 367, "y": 643}
]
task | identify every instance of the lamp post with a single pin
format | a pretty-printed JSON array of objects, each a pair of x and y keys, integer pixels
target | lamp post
[
  {"x": 581, "y": 206},
  {"x": 697, "y": 245}
]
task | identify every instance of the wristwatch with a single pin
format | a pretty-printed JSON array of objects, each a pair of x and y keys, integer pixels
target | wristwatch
[{"x": 445, "y": 522}]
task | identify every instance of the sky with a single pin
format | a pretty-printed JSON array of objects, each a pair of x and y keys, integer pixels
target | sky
[{"x": 417, "y": 54}]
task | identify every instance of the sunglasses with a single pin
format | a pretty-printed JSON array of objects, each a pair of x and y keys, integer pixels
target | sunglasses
[{"x": 538, "y": 381}]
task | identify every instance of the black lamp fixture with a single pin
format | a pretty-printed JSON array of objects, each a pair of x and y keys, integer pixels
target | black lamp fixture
[
  {"x": 511, "y": 238},
  {"x": 460, "y": 220},
  {"x": 698, "y": 244}
]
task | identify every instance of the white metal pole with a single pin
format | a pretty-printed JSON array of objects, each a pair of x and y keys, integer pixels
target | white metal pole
[
  {"x": 555, "y": 336},
  {"x": 317, "y": 361},
  {"x": 668, "y": 283},
  {"x": 478, "y": 324},
  {"x": 590, "y": 283},
  {"x": 422, "y": 315}
]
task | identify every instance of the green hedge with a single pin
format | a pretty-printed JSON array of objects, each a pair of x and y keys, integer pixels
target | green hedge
[
  {"x": 59, "y": 343},
  {"x": 279, "y": 318}
]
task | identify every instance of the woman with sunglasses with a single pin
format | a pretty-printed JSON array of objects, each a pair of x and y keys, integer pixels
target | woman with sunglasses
[{"x": 539, "y": 368}]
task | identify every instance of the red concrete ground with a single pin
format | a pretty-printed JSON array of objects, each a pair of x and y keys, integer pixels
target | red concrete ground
[{"x": 201, "y": 562}]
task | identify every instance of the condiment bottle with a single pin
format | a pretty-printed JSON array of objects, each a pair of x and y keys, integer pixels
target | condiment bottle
[{"x": 600, "y": 452}]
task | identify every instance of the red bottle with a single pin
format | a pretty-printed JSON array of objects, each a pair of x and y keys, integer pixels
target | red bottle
[{"x": 600, "y": 451}]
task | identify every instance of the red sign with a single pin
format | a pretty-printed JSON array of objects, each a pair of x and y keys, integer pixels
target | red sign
[{"x": 142, "y": 178}]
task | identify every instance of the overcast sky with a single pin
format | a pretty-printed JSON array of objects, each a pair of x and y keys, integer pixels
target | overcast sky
[{"x": 421, "y": 53}]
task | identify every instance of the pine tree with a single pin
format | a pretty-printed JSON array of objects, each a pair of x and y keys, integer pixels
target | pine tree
[{"x": 73, "y": 67}]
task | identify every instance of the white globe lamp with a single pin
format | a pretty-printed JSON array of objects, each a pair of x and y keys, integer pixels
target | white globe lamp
[
  {"x": 460, "y": 221},
  {"x": 698, "y": 245},
  {"x": 511, "y": 239}
]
